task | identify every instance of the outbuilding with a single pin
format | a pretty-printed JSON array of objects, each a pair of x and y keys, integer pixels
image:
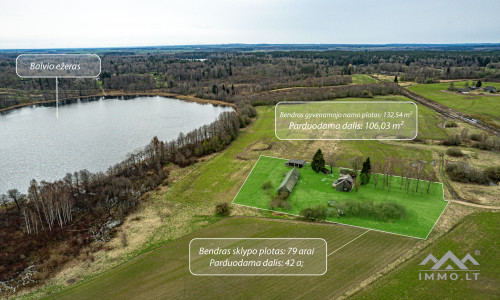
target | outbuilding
[
  {"x": 490, "y": 89},
  {"x": 298, "y": 163},
  {"x": 290, "y": 181}
]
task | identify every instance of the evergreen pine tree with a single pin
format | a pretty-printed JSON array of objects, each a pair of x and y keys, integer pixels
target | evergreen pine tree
[
  {"x": 318, "y": 162},
  {"x": 365, "y": 172}
]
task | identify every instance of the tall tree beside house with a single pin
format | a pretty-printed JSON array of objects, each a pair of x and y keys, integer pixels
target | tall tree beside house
[
  {"x": 331, "y": 160},
  {"x": 479, "y": 84},
  {"x": 356, "y": 163},
  {"x": 366, "y": 172},
  {"x": 318, "y": 162}
]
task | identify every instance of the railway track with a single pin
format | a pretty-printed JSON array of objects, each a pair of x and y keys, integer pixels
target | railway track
[{"x": 449, "y": 112}]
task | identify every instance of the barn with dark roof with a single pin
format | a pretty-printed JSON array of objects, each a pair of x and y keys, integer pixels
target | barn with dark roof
[
  {"x": 290, "y": 181},
  {"x": 295, "y": 163}
]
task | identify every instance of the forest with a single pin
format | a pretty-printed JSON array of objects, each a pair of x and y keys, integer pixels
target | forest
[{"x": 231, "y": 76}]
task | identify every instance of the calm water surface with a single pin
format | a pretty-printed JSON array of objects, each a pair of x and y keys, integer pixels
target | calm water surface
[{"x": 88, "y": 135}]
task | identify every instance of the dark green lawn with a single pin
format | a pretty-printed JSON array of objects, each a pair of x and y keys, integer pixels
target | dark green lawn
[{"x": 423, "y": 209}]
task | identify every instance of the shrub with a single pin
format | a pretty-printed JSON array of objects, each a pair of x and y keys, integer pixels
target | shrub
[
  {"x": 453, "y": 140},
  {"x": 367, "y": 94},
  {"x": 249, "y": 111},
  {"x": 475, "y": 137},
  {"x": 493, "y": 173},
  {"x": 315, "y": 213},
  {"x": 278, "y": 202},
  {"x": 390, "y": 210},
  {"x": 488, "y": 143},
  {"x": 222, "y": 209},
  {"x": 461, "y": 172},
  {"x": 367, "y": 209},
  {"x": 455, "y": 152},
  {"x": 335, "y": 208},
  {"x": 267, "y": 185},
  {"x": 449, "y": 124},
  {"x": 283, "y": 195}
]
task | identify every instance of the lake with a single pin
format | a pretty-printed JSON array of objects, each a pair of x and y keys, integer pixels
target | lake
[{"x": 91, "y": 135}]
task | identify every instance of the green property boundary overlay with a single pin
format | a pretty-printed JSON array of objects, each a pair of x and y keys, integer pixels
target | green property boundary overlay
[{"x": 423, "y": 210}]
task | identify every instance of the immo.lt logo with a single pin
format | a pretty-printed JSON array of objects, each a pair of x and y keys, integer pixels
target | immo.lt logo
[{"x": 449, "y": 267}]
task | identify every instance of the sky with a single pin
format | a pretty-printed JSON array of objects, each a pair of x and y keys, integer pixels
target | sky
[{"x": 31, "y": 24}]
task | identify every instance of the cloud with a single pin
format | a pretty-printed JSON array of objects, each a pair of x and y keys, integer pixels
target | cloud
[{"x": 92, "y": 23}]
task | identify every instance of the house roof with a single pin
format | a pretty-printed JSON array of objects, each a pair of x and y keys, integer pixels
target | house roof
[
  {"x": 296, "y": 161},
  {"x": 347, "y": 178},
  {"x": 290, "y": 180}
]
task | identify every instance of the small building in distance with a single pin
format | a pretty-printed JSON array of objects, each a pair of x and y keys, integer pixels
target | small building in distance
[
  {"x": 290, "y": 181},
  {"x": 463, "y": 91},
  {"x": 490, "y": 89},
  {"x": 345, "y": 183},
  {"x": 298, "y": 163}
]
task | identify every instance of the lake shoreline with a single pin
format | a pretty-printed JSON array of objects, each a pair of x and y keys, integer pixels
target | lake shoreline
[
  {"x": 119, "y": 93},
  {"x": 91, "y": 133}
]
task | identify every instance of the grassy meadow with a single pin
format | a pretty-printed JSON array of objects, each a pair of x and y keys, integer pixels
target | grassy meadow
[
  {"x": 423, "y": 209},
  {"x": 362, "y": 79},
  {"x": 220, "y": 178},
  {"x": 487, "y": 106},
  {"x": 164, "y": 273},
  {"x": 477, "y": 235}
]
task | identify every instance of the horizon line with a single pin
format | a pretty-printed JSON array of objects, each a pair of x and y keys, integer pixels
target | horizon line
[{"x": 260, "y": 44}]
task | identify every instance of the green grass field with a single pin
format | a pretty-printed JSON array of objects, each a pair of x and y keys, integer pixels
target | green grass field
[
  {"x": 362, "y": 79},
  {"x": 477, "y": 232},
  {"x": 423, "y": 209},
  {"x": 485, "y": 106},
  {"x": 164, "y": 273},
  {"x": 429, "y": 121},
  {"x": 218, "y": 179}
]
